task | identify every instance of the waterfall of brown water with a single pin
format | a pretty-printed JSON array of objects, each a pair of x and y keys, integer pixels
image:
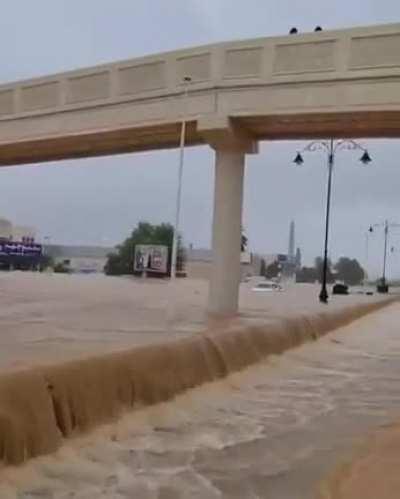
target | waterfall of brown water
[{"x": 40, "y": 407}]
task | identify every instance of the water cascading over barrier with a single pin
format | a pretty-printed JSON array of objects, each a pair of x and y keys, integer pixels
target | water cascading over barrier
[{"x": 42, "y": 406}]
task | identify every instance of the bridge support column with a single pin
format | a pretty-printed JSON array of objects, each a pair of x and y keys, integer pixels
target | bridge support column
[
  {"x": 231, "y": 146},
  {"x": 226, "y": 232}
]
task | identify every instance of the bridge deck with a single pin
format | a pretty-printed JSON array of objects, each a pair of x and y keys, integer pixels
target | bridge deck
[{"x": 331, "y": 83}]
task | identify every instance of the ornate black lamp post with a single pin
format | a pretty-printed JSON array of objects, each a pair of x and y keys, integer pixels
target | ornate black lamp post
[{"x": 330, "y": 147}]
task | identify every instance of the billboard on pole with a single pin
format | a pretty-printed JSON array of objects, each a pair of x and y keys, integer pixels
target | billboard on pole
[{"x": 151, "y": 258}]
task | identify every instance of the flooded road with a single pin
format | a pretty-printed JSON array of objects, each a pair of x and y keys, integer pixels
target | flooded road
[
  {"x": 276, "y": 430},
  {"x": 50, "y": 318}
]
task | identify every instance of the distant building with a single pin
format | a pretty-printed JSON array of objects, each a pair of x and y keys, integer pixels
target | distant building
[
  {"x": 15, "y": 232},
  {"x": 18, "y": 249},
  {"x": 289, "y": 262},
  {"x": 6, "y": 229},
  {"x": 21, "y": 232},
  {"x": 298, "y": 259},
  {"x": 198, "y": 264},
  {"x": 81, "y": 259},
  {"x": 291, "y": 255}
]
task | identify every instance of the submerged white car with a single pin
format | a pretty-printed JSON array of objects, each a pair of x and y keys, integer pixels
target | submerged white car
[{"x": 268, "y": 286}]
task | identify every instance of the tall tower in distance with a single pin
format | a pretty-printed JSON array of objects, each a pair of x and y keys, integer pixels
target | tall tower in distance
[
  {"x": 291, "y": 249},
  {"x": 298, "y": 258}
]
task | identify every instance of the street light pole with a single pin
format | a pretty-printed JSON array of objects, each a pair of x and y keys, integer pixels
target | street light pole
[
  {"x": 382, "y": 285},
  {"x": 323, "y": 296},
  {"x": 186, "y": 81},
  {"x": 385, "y": 253},
  {"x": 330, "y": 147},
  {"x": 366, "y": 257}
]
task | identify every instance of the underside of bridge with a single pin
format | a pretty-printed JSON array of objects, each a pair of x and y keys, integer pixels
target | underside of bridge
[
  {"x": 371, "y": 124},
  {"x": 97, "y": 143}
]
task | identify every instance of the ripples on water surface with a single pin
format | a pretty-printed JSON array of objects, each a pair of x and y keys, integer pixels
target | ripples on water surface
[{"x": 274, "y": 430}]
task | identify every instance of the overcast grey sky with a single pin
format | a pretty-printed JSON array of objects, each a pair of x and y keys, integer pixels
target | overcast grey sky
[{"x": 98, "y": 201}]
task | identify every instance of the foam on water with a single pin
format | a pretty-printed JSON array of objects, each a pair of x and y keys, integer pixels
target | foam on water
[
  {"x": 146, "y": 449},
  {"x": 43, "y": 406},
  {"x": 269, "y": 431}
]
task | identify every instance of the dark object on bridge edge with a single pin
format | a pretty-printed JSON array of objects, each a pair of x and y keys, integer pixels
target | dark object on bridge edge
[
  {"x": 340, "y": 289},
  {"x": 293, "y": 31}
]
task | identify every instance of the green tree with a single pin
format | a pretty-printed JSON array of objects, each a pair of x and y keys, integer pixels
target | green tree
[
  {"x": 243, "y": 242},
  {"x": 181, "y": 256},
  {"x": 349, "y": 271},
  {"x": 46, "y": 262},
  {"x": 273, "y": 270},
  {"x": 263, "y": 267},
  {"x": 62, "y": 267},
  {"x": 122, "y": 261},
  {"x": 306, "y": 274},
  {"x": 319, "y": 267}
]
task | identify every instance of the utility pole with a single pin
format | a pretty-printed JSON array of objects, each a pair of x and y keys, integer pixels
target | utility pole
[{"x": 186, "y": 81}]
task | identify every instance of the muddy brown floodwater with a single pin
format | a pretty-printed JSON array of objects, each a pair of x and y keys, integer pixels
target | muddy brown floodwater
[
  {"x": 52, "y": 318},
  {"x": 373, "y": 472},
  {"x": 276, "y": 430}
]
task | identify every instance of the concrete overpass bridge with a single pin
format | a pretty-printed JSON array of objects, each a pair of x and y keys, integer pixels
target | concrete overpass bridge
[{"x": 325, "y": 84}]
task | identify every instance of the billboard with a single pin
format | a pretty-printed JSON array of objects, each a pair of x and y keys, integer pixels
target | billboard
[
  {"x": 245, "y": 257},
  {"x": 23, "y": 248},
  {"x": 151, "y": 258},
  {"x": 282, "y": 258},
  {"x": 23, "y": 255}
]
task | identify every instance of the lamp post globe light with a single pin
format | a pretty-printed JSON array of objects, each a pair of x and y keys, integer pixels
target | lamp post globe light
[{"x": 330, "y": 147}]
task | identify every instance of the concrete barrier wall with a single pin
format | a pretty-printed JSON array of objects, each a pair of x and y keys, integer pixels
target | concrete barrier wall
[
  {"x": 41, "y": 407},
  {"x": 346, "y": 54}
]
